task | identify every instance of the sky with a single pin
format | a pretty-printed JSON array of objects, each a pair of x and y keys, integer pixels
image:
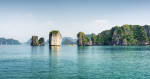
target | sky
[{"x": 21, "y": 19}]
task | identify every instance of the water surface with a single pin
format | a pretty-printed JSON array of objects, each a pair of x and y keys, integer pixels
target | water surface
[{"x": 71, "y": 62}]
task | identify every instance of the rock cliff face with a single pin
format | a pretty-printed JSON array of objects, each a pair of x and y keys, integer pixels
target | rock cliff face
[
  {"x": 83, "y": 40},
  {"x": 118, "y": 35},
  {"x": 35, "y": 41},
  {"x": 55, "y": 38},
  {"x": 41, "y": 41},
  {"x": 147, "y": 29},
  {"x": 124, "y": 35}
]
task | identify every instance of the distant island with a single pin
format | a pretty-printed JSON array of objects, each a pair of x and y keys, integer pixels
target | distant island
[
  {"x": 4, "y": 41},
  {"x": 69, "y": 41},
  {"x": 118, "y": 35}
]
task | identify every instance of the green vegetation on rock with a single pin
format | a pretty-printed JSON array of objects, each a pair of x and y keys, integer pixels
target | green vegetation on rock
[
  {"x": 121, "y": 35},
  {"x": 54, "y": 32},
  {"x": 55, "y": 38},
  {"x": 83, "y": 39},
  {"x": 93, "y": 39}
]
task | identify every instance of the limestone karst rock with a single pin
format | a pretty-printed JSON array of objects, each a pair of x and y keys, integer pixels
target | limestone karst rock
[
  {"x": 83, "y": 40},
  {"x": 147, "y": 29},
  {"x": 35, "y": 41},
  {"x": 41, "y": 41},
  {"x": 55, "y": 38},
  {"x": 118, "y": 35}
]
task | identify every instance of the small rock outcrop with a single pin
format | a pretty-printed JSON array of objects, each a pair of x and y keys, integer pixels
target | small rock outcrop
[
  {"x": 41, "y": 41},
  {"x": 35, "y": 41},
  {"x": 83, "y": 40},
  {"x": 55, "y": 38}
]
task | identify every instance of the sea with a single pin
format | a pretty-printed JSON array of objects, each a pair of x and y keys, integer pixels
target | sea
[{"x": 73, "y": 62}]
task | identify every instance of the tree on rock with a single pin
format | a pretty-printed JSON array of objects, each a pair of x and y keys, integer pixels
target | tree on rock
[{"x": 83, "y": 39}]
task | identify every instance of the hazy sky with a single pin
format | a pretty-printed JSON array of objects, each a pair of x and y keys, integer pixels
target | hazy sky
[{"x": 20, "y": 19}]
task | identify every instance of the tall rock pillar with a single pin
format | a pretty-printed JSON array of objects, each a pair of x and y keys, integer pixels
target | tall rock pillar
[
  {"x": 55, "y": 38},
  {"x": 35, "y": 41}
]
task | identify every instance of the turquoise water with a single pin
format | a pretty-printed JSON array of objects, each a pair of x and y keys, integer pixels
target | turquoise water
[{"x": 71, "y": 62}]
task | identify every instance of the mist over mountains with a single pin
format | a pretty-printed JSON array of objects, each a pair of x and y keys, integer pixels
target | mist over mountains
[{"x": 4, "y": 41}]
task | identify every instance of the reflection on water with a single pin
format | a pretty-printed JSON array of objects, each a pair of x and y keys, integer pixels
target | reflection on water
[
  {"x": 55, "y": 50},
  {"x": 38, "y": 51},
  {"x": 55, "y": 62},
  {"x": 68, "y": 62},
  {"x": 39, "y": 62},
  {"x": 82, "y": 49}
]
